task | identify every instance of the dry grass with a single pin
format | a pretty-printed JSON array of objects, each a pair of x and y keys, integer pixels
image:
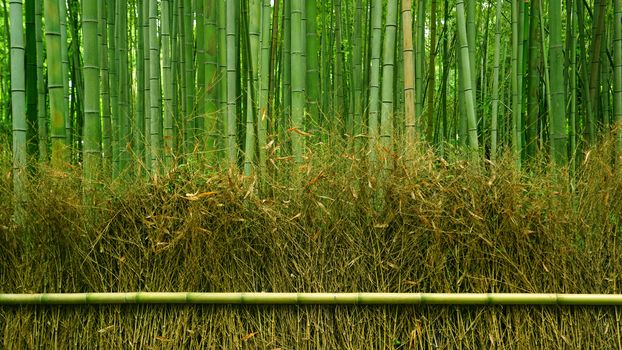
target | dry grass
[{"x": 440, "y": 227}]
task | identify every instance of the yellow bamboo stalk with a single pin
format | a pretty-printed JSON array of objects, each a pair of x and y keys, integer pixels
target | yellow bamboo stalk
[{"x": 313, "y": 298}]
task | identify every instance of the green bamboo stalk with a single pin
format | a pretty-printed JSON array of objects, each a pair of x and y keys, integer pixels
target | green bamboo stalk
[
  {"x": 374, "y": 82},
  {"x": 431, "y": 73},
  {"x": 495, "y": 85},
  {"x": 168, "y": 86},
  {"x": 114, "y": 88},
  {"x": 338, "y": 61},
  {"x": 545, "y": 65},
  {"x": 409, "y": 78},
  {"x": 92, "y": 121},
  {"x": 572, "y": 73},
  {"x": 143, "y": 126},
  {"x": 442, "y": 127},
  {"x": 142, "y": 82},
  {"x": 252, "y": 57},
  {"x": 472, "y": 42},
  {"x": 143, "y": 123},
  {"x": 313, "y": 66},
  {"x": 534, "y": 299},
  {"x": 285, "y": 76},
  {"x": 586, "y": 101},
  {"x": 419, "y": 63},
  {"x": 357, "y": 70},
  {"x": 5, "y": 81},
  {"x": 190, "y": 137},
  {"x": 211, "y": 78},
  {"x": 155, "y": 140},
  {"x": 326, "y": 57},
  {"x": 598, "y": 29},
  {"x": 58, "y": 113},
  {"x": 533, "y": 81},
  {"x": 75, "y": 103},
  {"x": 65, "y": 72},
  {"x": 557, "y": 109},
  {"x": 201, "y": 82},
  {"x": 222, "y": 70},
  {"x": 264, "y": 85},
  {"x": 177, "y": 129},
  {"x": 517, "y": 82},
  {"x": 18, "y": 108},
  {"x": 42, "y": 121},
  {"x": 31, "y": 78},
  {"x": 298, "y": 84},
  {"x": 388, "y": 68},
  {"x": 617, "y": 70},
  {"x": 231, "y": 81},
  {"x": 181, "y": 119},
  {"x": 123, "y": 119},
  {"x": 105, "y": 89},
  {"x": 465, "y": 75},
  {"x": 605, "y": 80}
]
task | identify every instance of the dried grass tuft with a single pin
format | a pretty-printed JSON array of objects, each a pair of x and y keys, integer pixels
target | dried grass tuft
[{"x": 431, "y": 225}]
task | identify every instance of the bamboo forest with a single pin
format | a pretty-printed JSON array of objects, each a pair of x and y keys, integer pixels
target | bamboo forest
[{"x": 451, "y": 166}]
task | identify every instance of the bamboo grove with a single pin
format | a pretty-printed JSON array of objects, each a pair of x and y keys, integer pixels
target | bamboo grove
[{"x": 137, "y": 86}]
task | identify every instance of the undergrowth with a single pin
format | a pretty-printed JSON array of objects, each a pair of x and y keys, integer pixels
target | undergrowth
[{"x": 328, "y": 225}]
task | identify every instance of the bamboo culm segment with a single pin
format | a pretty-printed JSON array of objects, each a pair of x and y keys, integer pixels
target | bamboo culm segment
[{"x": 313, "y": 298}]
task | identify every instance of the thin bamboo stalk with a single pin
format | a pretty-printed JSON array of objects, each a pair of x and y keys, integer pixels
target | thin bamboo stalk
[{"x": 313, "y": 298}]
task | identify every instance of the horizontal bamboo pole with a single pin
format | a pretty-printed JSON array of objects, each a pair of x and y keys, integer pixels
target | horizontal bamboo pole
[{"x": 313, "y": 298}]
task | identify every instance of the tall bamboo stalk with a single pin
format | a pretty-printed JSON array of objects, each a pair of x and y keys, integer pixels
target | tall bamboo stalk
[
  {"x": 419, "y": 62},
  {"x": 388, "y": 73},
  {"x": 617, "y": 70},
  {"x": 65, "y": 74},
  {"x": 557, "y": 110},
  {"x": 31, "y": 78},
  {"x": 155, "y": 90},
  {"x": 92, "y": 120},
  {"x": 188, "y": 53},
  {"x": 374, "y": 82},
  {"x": 125, "y": 146},
  {"x": 211, "y": 78},
  {"x": 533, "y": 80},
  {"x": 18, "y": 108},
  {"x": 409, "y": 76},
  {"x": 465, "y": 75},
  {"x": 298, "y": 79},
  {"x": 312, "y": 62},
  {"x": 168, "y": 87},
  {"x": 231, "y": 81},
  {"x": 42, "y": 121},
  {"x": 142, "y": 80},
  {"x": 495, "y": 85},
  {"x": 58, "y": 113},
  {"x": 431, "y": 86}
]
